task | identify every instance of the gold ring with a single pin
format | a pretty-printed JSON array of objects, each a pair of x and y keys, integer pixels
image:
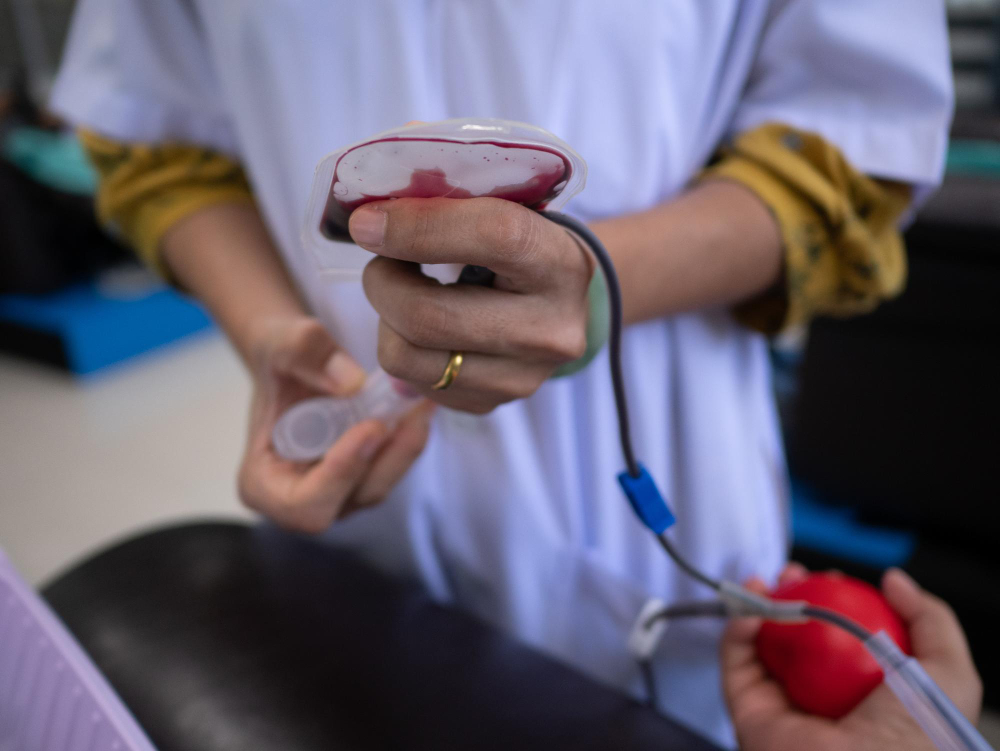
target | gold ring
[{"x": 450, "y": 372}]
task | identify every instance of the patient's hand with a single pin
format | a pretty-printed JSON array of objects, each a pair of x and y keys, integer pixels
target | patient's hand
[{"x": 765, "y": 721}]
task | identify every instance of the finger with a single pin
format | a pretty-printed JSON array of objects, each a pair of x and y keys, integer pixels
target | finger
[
  {"x": 741, "y": 670},
  {"x": 262, "y": 416},
  {"x": 934, "y": 630},
  {"x": 511, "y": 240},
  {"x": 485, "y": 400},
  {"x": 395, "y": 458},
  {"x": 737, "y": 646},
  {"x": 341, "y": 470},
  {"x": 310, "y": 498},
  {"x": 792, "y": 573},
  {"x": 308, "y": 352},
  {"x": 506, "y": 378},
  {"x": 937, "y": 639},
  {"x": 748, "y": 690},
  {"x": 476, "y": 319},
  {"x": 907, "y": 597}
]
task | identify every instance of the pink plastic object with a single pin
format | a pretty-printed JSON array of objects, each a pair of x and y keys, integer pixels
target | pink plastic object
[
  {"x": 464, "y": 158},
  {"x": 52, "y": 697}
]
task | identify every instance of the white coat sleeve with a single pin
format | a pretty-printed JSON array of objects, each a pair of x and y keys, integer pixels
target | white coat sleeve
[
  {"x": 140, "y": 70},
  {"x": 873, "y": 77}
]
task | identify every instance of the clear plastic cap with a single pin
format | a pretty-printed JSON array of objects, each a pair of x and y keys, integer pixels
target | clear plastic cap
[{"x": 309, "y": 428}]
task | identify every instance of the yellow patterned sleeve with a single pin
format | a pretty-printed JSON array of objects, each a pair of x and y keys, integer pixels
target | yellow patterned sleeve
[
  {"x": 843, "y": 251},
  {"x": 145, "y": 189}
]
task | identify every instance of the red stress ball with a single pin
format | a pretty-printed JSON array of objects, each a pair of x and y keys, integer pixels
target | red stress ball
[{"x": 825, "y": 670}]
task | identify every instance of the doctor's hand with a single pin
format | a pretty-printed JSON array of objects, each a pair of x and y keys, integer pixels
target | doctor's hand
[
  {"x": 764, "y": 719},
  {"x": 294, "y": 358},
  {"x": 512, "y": 335}
]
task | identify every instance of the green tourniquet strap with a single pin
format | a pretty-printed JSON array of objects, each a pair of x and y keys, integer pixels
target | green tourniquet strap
[{"x": 598, "y": 326}]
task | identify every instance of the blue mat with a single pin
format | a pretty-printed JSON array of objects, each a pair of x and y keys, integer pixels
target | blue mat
[
  {"x": 836, "y": 531},
  {"x": 97, "y": 330}
]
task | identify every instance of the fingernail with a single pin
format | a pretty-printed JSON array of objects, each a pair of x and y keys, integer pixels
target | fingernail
[
  {"x": 370, "y": 447},
  {"x": 403, "y": 388},
  {"x": 344, "y": 372},
  {"x": 367, "y": 226}
]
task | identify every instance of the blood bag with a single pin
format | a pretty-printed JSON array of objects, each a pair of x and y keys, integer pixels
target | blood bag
[{"x": 463, "y": 158}]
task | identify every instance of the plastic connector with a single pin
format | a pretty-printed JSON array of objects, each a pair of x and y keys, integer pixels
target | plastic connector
[
  {"x": 740, "y": 601},
  {"x": 647, "y": 631},
  {"x": 646, "y": 500}
]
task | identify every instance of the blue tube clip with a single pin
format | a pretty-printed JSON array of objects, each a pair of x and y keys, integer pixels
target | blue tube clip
[{"x": 646, "y": 500}]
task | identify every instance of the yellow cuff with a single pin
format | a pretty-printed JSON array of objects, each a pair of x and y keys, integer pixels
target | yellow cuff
[
  {"x": 144, "y": 190},
  {"x": 843, "y": 251}
]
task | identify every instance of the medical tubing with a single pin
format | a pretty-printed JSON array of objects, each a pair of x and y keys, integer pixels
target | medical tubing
[
  {"x": 947, "y": 728},
  {"x": 615, "y": 335},
  {"x": 617, "y": 379},
  {"x": 702, "y": 609},
  {"x": 840, "y": 621},
  {"x": 686, "y": 567},
  {"x": 923, "y": 699},
  {"x": 927, "y": 704}
]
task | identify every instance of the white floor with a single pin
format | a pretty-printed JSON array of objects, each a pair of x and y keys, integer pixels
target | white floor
[{"x": 84, "y": 462}]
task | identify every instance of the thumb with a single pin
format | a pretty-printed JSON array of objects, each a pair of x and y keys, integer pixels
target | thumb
[
  {"x": 904, "y": 594},
  {"x": 938, "y": 640},
  {"x": 346, "y": 377},
  {"x": 311, "y": 356},
  {"x": 934, "y": 630}
]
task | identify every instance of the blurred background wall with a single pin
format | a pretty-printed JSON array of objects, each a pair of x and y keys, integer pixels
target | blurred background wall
[
  {"x": 120, "y": 407},
  {"x": 891, "y": 418},
  {"x": 31, "y": 35}
]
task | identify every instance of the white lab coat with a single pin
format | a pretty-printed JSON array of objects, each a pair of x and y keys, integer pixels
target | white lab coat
[{"x": 516, "y": 516}]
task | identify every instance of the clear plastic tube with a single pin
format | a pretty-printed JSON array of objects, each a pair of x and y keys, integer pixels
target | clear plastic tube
[
  {"x": 944, "y": 724},
  {"x": 307, "y": 430}
]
